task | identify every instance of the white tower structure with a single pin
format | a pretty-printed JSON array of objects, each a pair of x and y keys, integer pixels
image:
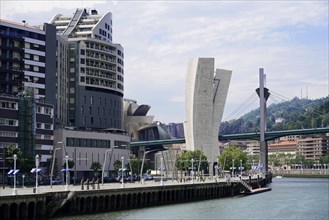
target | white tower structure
[{"x": 205, "y": 96}]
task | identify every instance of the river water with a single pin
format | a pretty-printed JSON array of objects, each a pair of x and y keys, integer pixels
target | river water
[{"x": 290, "y": 198}]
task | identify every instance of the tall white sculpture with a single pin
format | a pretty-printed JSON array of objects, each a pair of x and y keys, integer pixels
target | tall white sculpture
[{"x": 205, "y": 97}]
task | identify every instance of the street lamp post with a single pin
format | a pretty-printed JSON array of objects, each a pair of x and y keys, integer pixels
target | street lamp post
[
  {"x": 253, "y": 167},
  {"x": 232, "y": 167},
  {"x": 36, "y": 172},
  {"x": 122, "y": 161},
  {"x": 67, "y": 172},
  {"x": 52, "y": 167},
  {"x": 23, "y": 176},
  {"x": 192, "y": 171},
  {"x": 161, "y": 182},
  {"x": 15, "y": 190},
  {"x": 240, "y": 168}
]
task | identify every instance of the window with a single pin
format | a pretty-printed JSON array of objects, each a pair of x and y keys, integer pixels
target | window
[
  {"x": 35, "y": 68},
  {"x": 36, "y": 57},
  {"x": 82, "y": 52},
  {"x": 82, "y": 61},
  {"x": 48, "y": 126},
  {"x": 39, "y": 125}
]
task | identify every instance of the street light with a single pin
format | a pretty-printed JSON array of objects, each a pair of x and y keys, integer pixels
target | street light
[
  {"x": 23, "y": 176},
  {"x": 15, "y": 190},
  {"x": 232, "y": 167},
  {"x": 161, "y": 182},
  {"x": 122, "y": 161},
  {"x": 192, "y": 171},
  {"x": 67, "y": 172},
  {"x": 52, "y": 167},
  {"x": 36, "y": 172},
  {"x": 240, "y": 168}
]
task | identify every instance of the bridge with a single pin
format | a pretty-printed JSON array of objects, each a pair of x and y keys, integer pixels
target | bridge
[{"x": 247, "y": 136}]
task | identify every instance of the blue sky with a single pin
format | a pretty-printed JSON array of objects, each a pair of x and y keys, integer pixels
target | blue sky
[{"x": 289, "y": 39}]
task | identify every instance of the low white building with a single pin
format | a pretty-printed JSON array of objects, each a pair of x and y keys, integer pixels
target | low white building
[{"x": 86, "y": 147}]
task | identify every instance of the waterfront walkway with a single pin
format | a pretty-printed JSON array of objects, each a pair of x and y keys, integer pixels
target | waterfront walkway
[{"x": 150, "y": 183}]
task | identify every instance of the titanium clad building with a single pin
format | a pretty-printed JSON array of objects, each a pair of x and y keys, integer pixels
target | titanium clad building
[
  {"x": 205, "y": 97},
  {"x": 95, "y": 71}
]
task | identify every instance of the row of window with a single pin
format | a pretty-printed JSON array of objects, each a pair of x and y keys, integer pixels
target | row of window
[
  {"x": 8, "y": 122},
  {"x": 111, "y": 112},
  {"x": 8, "y": 134},
  {"x": 44, "y": 126},
  {"x": 85, "y": 142},
  {"x": 8, "y": 105},
  {"x": 44, "y": 110},
  {"x": 21, "y": 33},
  {"x": 102, "y": 122},
  {"x": 102, "y": 101}
]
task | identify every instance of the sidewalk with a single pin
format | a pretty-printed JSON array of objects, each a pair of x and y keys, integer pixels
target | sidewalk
[{"x": 58, "y": 188}]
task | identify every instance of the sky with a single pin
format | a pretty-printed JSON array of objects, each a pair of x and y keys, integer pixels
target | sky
[{"x": 289, "y": 39}]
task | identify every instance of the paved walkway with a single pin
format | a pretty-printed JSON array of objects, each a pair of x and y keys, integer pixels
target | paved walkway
[{"x": 150, "y": 183}]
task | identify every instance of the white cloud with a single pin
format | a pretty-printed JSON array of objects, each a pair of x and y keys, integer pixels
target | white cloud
[{"x": 289, "y": 39}]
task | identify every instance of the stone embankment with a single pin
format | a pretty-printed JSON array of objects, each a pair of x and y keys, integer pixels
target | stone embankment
[{"x": 52, "y": 202}]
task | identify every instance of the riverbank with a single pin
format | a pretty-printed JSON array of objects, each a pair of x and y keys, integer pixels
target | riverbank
[
  {"x": 75, "y": 201},
  {"x": 302, "y": 175}
]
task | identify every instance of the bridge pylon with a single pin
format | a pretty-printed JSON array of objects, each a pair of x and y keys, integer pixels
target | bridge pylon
[{"x": 263, "y": 94}]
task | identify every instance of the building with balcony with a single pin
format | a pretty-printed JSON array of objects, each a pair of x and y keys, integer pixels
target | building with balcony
[
  {"x": 27, "y": 124},
  {"x": 94, "y": 69},
  {"x": 313, "y": 147},
  {"x": 27, "y": 70}
]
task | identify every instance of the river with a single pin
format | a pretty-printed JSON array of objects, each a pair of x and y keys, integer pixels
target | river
[{"x": 290, "y": 198}]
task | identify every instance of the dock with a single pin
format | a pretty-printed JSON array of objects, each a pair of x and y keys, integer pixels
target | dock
[{"x": 258, "y": 190}]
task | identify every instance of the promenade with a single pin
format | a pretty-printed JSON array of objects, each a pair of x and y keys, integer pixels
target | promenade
[{"x": 8, "y": 191}]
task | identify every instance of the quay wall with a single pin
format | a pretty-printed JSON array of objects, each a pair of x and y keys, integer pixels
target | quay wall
[{"x": 54, "y": 204}]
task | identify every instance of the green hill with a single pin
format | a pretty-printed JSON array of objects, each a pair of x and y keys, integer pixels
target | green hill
[{"x": 294, "y": 114}]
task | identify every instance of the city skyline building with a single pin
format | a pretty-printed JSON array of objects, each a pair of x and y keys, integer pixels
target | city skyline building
[{"x": 95, "y": 71}]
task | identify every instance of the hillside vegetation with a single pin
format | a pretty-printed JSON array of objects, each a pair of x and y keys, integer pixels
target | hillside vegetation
[{"x": 295, "y": 114}]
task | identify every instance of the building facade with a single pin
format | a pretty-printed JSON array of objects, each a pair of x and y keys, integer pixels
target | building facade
[
  {"x": 27, "y": 124},
  {"x": 95, "y": 71},
  {"x": 86, "y": 147},
  {"x": 313, "y": 148},
  {"x": 27, "y": 64}
]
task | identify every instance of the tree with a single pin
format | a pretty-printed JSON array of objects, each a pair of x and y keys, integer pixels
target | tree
[
  {"x": 232, "y": 153},
  {"x": 133, "y": 164},
  {"x": 324, "y": 159},
  {"x": 11, "y": 151},
  {"x": 184, "y": 161},
  {"x": 117, "y": 165},
  {"x": 70, "y": 164},
  {"x": 95, "y": 166}
]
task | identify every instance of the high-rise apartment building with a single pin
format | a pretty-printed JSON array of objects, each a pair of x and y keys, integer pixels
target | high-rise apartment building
[
  {"x": 27, "y": 64},
  {"x": 94, "y": 71}
]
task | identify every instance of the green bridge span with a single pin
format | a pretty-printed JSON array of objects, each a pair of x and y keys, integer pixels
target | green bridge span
[{"x": 247, "y": 136}]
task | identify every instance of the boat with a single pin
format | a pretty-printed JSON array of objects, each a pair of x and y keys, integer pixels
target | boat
[{"x": 279, "y": 177}]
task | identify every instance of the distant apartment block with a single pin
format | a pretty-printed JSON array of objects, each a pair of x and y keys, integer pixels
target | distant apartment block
[
  {"x": 284, "y": 147},
  {"x": 313, "y": 148},
  {"x": 94, "y": 70}
]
